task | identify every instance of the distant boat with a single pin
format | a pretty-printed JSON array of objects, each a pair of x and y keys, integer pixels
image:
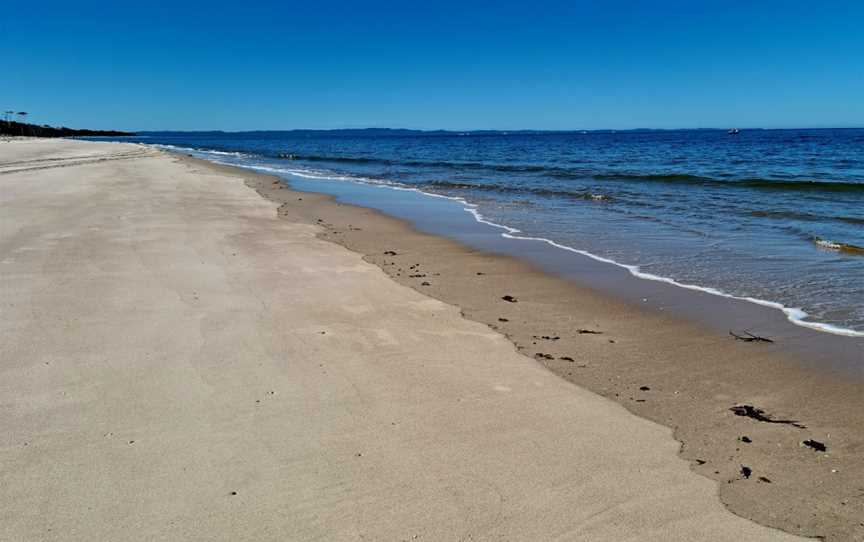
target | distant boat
[{"x": 734, "y": 131}]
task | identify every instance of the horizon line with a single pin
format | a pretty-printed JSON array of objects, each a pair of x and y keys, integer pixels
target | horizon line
[{"x": 491, "y": 130}]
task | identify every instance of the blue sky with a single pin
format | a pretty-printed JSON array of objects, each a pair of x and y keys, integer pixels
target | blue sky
[{"x": 458, "y": 65}]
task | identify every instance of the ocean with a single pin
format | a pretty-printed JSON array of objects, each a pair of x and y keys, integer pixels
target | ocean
[{"x": 772, "y": 216}]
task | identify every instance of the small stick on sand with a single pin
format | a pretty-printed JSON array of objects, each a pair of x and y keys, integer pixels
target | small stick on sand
[{"x": 750, "y": 337}]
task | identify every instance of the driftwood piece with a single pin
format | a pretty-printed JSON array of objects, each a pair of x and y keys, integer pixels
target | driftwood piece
[{"x": 749, "y": 337}]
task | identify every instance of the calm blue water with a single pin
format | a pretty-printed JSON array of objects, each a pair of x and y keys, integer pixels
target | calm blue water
[{"x": 763, "y": 214}]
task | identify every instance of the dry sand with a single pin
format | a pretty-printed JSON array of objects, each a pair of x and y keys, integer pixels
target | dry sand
[{"x": 179, "y": 363}]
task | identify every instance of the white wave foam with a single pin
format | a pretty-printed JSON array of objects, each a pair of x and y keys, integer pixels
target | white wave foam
[
  {"x": 795, "y": 315},
  {"x": 168, "y": 147},
  {"x": 224, "y": 153}
]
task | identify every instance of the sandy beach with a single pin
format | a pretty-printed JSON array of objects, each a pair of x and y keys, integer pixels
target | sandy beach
[
  {"x": 773, "y": 424},
  {"x": 186, "y": 359}
]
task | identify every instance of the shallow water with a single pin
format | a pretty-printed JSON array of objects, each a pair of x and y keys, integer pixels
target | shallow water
[{"x": 767, "y": 215}]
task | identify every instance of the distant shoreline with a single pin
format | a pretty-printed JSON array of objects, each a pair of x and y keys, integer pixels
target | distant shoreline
[
  {"x": 22, "y": 129},
  {"x": 408, "y": 132}
]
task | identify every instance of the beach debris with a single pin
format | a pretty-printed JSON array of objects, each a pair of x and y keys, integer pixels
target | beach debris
[
  {"x": 588, "y": 332},
  {"x": 700, "y": 461},
  {"x": 567, "y": 358},
  {"x": 749, "y": 337},
  {"x": 644, "y": 388},
  {"x": 480, "y": 274},
  {"x": 424, "y": 283},
  {"x": 763, "y": 479},
  {"x": 509, "y": 299},
  {"x": 541, "y": 355},
  {"x": 546, "y": 337},
  {"x": 233, "y": 493},
  {"x": 390, "y": 253},
  {"x": 815, "y": 444},
  {"x": 503, "y": 320},
  {"x": 746, "y": 471},
  {"x": 746, "y": 439},
  {"x": 749, "y": 411}
]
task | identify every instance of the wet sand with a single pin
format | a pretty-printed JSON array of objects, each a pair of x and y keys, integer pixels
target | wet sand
[
  {"x": 183, "y": 359},
  {"x": 677, "y": 372}
]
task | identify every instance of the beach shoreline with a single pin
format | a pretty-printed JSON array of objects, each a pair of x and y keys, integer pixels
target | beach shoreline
[
  {"x": 809, "y": 340},
  {"x": 185, "y": 359},
  {"x": 681, "y": 374},
  {"x": 722, "y": 230}
]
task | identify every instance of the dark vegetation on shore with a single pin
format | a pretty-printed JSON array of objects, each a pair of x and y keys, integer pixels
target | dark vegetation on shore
[{"x": 12, "y": 128}]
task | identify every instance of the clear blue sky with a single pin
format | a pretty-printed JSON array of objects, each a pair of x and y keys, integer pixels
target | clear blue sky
[{"x": 235, "y": 65}]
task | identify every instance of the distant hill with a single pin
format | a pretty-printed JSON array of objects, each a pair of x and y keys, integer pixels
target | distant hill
[
  {"x": 395, "y": 132},
  {"x": 33, "y": 130},
  {"x": 345, "y": 132}
]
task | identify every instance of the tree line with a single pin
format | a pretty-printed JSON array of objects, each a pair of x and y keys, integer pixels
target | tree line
[{"x": 10, "y": 127}]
